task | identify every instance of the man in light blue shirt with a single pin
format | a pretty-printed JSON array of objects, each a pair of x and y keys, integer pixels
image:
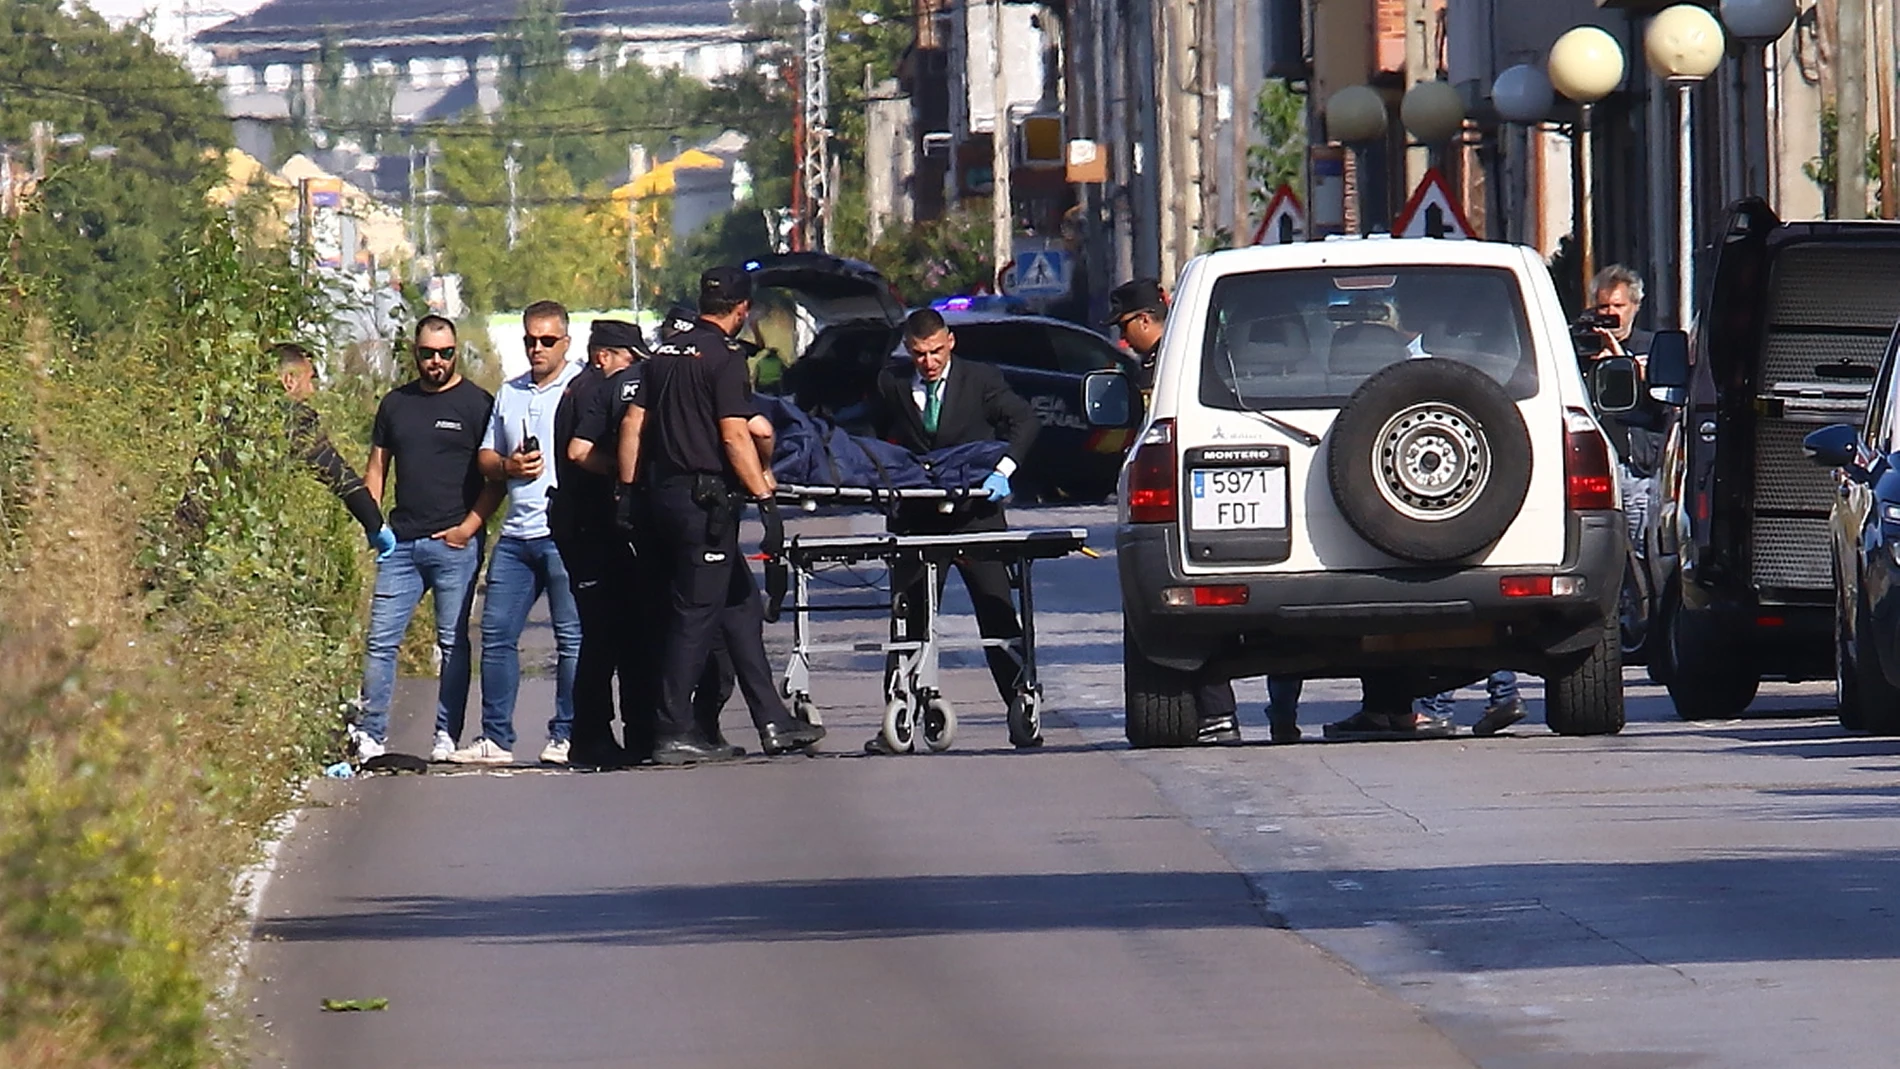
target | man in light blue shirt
[{"x": 526, "y": 563}]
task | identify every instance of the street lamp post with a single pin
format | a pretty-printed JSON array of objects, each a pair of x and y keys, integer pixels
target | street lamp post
[
  {"x": 1585, "y": 65},
  {"x": 1757, "y": 24},
  {"x": 1684, "y": 44},
  {"x": 1522, "y": 95},
  {"x": 1433, "y": 113},
  {"x": 1356, "y": 117}
]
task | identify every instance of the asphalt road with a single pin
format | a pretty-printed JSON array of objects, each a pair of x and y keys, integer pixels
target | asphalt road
[{"x": 1680, "y": 895}]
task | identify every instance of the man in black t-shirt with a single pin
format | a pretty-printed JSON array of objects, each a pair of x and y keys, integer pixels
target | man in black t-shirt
[
  {"x": 430, "y": 429},
  {"x": 697, "y": 454}
]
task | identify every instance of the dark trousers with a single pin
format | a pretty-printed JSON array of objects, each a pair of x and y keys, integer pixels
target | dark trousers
[
  {"x": 739, "y": 656},
  {"x": 712, "y": 605},
  {"x": 618, "y": 640},
  {"x": 987, "y": 582}
]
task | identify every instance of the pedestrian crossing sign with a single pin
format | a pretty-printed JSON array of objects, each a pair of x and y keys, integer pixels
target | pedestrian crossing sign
[{"x": 1042, "y": 274}]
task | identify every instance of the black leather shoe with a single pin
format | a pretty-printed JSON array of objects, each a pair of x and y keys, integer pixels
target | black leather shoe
[
  {"x": 792, "y": 735},
  {"x": 604, "y": 757},
  {"x": 689, "y": 750}
]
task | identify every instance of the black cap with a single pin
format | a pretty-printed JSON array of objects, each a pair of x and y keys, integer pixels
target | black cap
[
  {"x": 679, "y": 319},
  {"x": 729, "y": 284},
  {"x": 615, "y": 334},
  {"x": 1141, "y": 295}
]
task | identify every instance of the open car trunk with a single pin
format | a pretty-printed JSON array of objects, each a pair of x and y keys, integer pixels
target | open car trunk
[{"x": 1798, "y": 320}]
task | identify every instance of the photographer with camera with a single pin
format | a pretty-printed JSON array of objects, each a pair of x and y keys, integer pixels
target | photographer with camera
[{"x": 1609, "y": 330}]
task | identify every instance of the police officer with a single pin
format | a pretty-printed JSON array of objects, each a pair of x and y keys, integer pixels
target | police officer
[
  {"x": 600, "y": 562},
  {"x": 716, "y": 685},
  {"x": 701, "y": 463}
]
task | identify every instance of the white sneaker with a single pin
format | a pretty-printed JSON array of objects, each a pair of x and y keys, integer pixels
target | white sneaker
[
  {"x": 555, "y": 752},
  {"x": 366, "y": 747},
  {"x": 482, "y": 752},
  {"x": 443, "y": 749}
]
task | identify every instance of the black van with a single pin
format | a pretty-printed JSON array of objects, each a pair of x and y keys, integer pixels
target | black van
[{"x": 1790, "y": 336}]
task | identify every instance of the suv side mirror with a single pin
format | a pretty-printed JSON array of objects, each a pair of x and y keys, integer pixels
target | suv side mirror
[
  {"x": 1108, "y": 399},
  {"x": 1835, "y": 447},
  {"x": 1613, "y": 383},
  {"x": 1669, "y": 363}
]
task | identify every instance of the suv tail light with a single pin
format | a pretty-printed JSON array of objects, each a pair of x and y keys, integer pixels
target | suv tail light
[
  {"x": 1153, "y": 476},
  {"x": 1589, "y": 484}
]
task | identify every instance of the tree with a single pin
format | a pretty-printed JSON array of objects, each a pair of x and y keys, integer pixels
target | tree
[
  {"x": 100, "y": 228},
  {"x": 1278, "y": 155}
]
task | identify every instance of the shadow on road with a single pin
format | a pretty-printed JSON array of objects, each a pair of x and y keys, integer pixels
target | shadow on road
[{"x": 804, "y": 910}]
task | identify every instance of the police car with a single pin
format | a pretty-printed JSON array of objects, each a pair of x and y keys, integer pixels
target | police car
[{"x": 851, "y": 323}]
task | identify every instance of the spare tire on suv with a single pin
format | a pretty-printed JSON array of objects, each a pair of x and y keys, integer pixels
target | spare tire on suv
[{"x": 1429, "y": 461}]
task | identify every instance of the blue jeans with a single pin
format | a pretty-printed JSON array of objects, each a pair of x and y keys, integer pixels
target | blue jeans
[
  {"x": 419, "y": 566},
  {"x": 522, "y": 570},
  {"x": 1283, "y": 699},
  {"x": 1499, "y": 688}
]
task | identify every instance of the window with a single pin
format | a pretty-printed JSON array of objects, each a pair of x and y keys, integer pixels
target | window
[
  {"x": 1024, "y": 345},
  {"x": 1078, "y": 352},
  {"x": 1308, "y": 338}
]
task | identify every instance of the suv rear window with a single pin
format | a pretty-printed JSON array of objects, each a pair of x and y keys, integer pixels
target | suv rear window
[{"x": 1308, "y": 338}]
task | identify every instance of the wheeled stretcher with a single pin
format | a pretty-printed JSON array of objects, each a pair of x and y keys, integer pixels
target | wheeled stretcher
[{"x": 915, "y": 709}]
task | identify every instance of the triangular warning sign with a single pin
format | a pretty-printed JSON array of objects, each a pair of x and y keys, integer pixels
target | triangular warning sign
[
  {"x": 1285, "y": 221},
  {"x": 1431, "y": 212}
]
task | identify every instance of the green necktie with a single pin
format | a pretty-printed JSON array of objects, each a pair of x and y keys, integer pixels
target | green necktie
[{"x": 931, "y": 406}]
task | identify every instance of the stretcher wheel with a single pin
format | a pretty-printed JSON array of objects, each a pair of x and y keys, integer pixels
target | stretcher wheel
[
  {"x": 900, "y": 725},
  {"x": 805, "y": 709},
  {"x": 1025, "y": 720},
  {"x": 940, "y": 724}
]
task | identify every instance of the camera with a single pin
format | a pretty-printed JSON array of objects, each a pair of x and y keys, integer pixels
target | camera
[{"x": 1584, "y": 331}]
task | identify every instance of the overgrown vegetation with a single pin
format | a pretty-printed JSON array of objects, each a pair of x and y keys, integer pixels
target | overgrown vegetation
[{"x": 179, "y": 600}]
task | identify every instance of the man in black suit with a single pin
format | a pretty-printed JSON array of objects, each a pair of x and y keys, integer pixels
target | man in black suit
[{"x": 938, "y": 402}]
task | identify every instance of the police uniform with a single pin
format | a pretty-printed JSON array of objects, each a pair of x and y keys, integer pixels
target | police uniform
[
  {"x": 697, "y": 378},
  {"x": 600, "y": 563}
]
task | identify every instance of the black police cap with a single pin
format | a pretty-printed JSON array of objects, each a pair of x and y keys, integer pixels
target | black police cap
[
  {"x": 615, "y": 334},
  {"x": 730, "y": 284},
  {"x": 679, "y": 319},
  {"x": 1141, "y": 295}
]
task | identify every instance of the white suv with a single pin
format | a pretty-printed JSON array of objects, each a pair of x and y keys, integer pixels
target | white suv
[{"x": 1371, "y": 454}]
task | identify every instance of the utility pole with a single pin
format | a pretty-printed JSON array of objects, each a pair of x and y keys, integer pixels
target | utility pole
[
  {"x": 635, "y": 166},
  {"x": 1850, "y": 109},
  {"x": 513, "y": 167},
  {"x": 1207, "y": 181},
  {"x": 428, "y": 204},
  {"x": 1242, "y": 118},
  {"x": 1884, "y": 59},
  {"x": 816, "y": 110},
  {"x": 42, "y": 132},
  {"x": 1002, "y": 219}
]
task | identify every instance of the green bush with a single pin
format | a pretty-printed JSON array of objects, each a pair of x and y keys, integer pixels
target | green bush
[{"x": 179, "y": 623}]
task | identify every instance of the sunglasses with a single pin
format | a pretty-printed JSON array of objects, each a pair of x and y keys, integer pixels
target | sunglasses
[
  {"x": 430, "y": 352},
  {"x": 545, "y": 341}
]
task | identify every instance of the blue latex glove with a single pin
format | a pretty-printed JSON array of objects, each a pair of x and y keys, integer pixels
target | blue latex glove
[
  {"x": 383, "y": 542},
  {"x": 996, "y": 485}
]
